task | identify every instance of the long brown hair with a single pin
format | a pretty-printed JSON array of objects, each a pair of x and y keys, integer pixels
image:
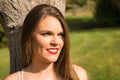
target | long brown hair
[{"x": 63, "y": 65}]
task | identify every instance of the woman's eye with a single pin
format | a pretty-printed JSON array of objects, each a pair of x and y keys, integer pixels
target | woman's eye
[
  {"x": 61, "y": 35},
  {"x": 46, "y": 34}
]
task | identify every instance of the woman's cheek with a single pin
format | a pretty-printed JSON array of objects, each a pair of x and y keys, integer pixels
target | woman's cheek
[{"x": 43, "y": 41}]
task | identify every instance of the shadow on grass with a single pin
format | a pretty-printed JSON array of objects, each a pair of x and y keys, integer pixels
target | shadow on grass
[{"x": 81, "y": 24}]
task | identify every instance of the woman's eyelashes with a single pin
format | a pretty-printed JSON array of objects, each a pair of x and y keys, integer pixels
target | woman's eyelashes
[
  {"x": 61, "y": 34},
  {"x": 46, "y": 34}
]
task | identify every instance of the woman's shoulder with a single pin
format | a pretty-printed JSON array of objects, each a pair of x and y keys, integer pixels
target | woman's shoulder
[
  {"x": 81, "y": 72},
  {"x": 13, "y": 76}
]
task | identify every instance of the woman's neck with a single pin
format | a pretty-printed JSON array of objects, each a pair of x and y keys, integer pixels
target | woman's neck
[
  {"x": 43, "y": 71},
  {"x": 43, "y": 67}
]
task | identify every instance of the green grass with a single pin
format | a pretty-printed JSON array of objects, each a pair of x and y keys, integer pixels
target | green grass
[
  {"x": 98, "y": 51},
  {"x": 95, "y": 48},
  {"x": 4, "y": 63}
]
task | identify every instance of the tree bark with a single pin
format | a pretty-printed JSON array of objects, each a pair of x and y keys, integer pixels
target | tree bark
[{"x": 12, "y": 14}]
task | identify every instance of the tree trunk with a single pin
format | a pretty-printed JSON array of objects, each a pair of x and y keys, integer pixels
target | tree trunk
[{"x": 12, "y": 14}]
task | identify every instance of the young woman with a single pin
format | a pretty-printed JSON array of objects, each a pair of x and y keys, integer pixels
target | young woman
[{"x": 45, "y": 47}]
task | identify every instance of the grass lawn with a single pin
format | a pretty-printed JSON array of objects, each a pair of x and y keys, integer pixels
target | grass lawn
[
  {"x": 97, "y": 50},
  {"x": 4, "y": 63}
]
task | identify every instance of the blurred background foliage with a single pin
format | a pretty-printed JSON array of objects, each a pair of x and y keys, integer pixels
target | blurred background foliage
[
  {"x": 106, "y": 12},
  {"x": 3, "y": 38}
]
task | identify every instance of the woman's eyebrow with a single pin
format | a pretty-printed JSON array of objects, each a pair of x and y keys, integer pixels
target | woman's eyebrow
[
  {"x": 42, "y": 31},
  {"x": 61, "y": 32},
  {"x": 45, "y": 31}
]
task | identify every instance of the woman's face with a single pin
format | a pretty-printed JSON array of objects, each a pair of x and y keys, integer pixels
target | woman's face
[{"x": 48, "y": 40}]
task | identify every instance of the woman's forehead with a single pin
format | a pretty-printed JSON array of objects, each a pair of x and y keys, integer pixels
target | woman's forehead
[{"x": 50, "y": 23}]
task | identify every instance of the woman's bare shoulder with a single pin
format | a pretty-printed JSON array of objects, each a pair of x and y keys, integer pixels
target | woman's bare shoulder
[
  {"x": 81, "y": 72},
  {"x": 13, "y": 76}
]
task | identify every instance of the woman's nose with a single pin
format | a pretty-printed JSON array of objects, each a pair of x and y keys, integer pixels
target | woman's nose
[{"x": 54, "y": 41}]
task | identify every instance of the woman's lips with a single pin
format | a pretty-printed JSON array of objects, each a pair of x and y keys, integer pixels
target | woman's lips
[{"x": 53, "y": 50}]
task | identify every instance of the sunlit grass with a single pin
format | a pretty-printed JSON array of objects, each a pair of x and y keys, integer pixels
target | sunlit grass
[
  {"x": 98, "y": 51},
  {"x": 4, "y": 63}
]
